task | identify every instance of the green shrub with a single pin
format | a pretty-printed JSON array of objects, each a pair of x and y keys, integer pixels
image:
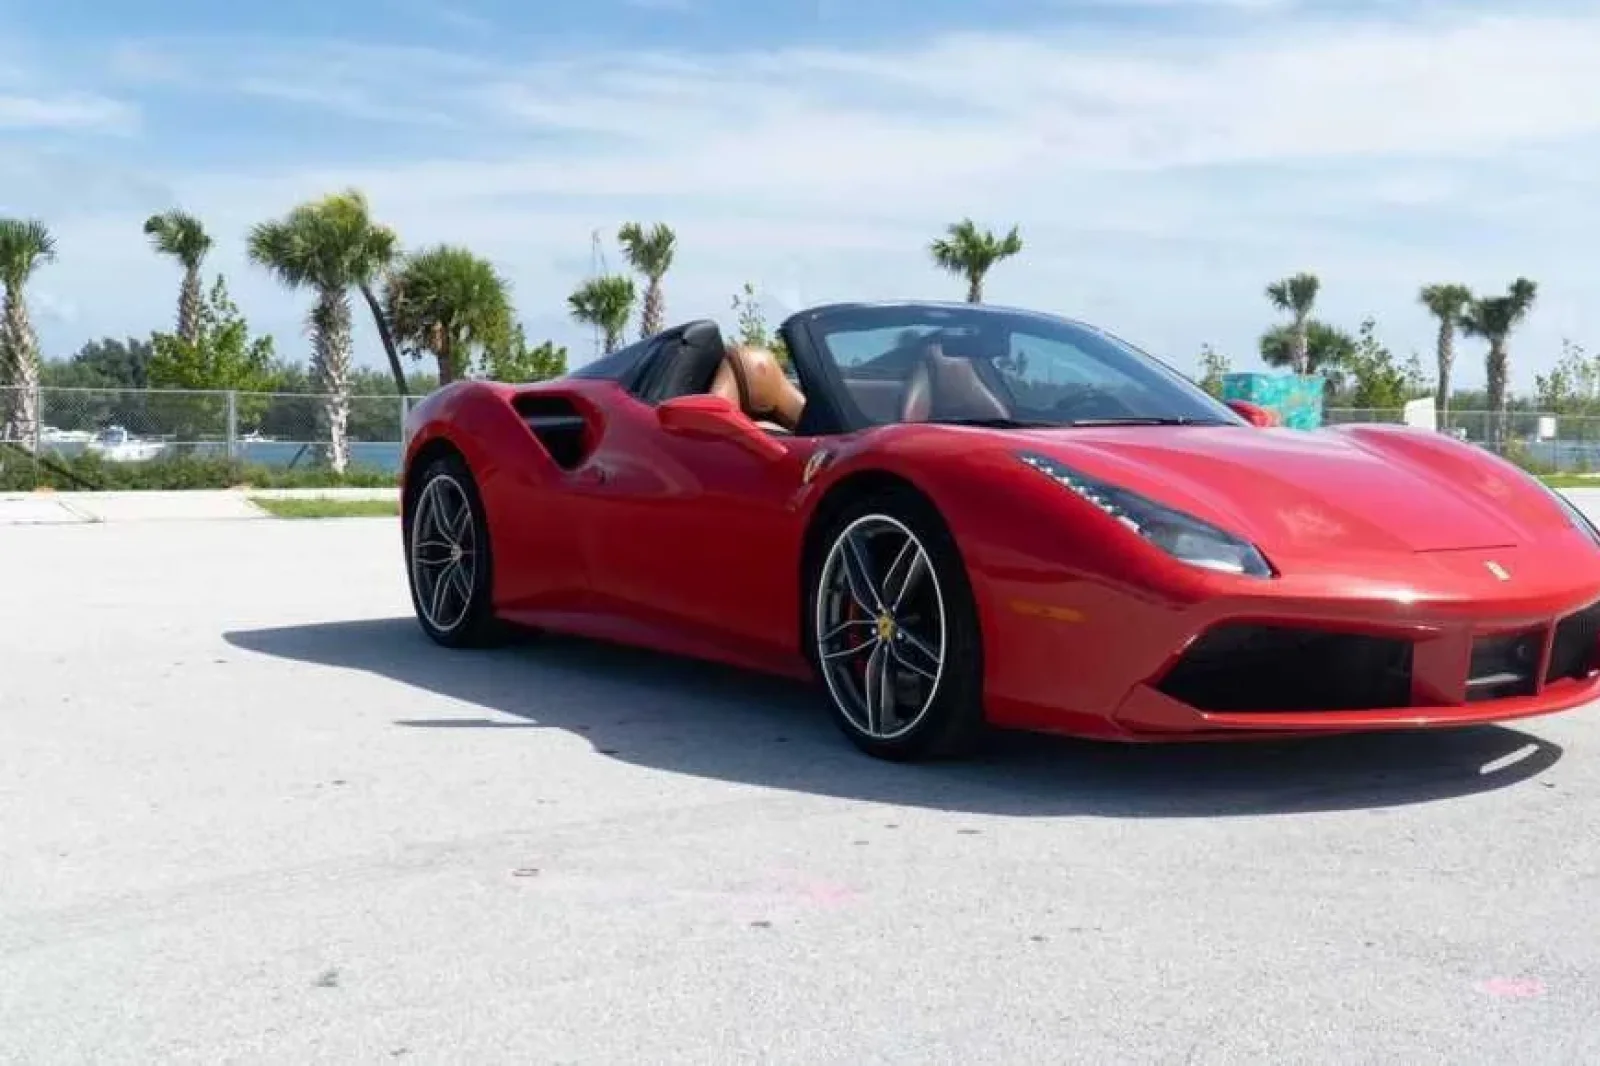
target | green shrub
[{"x": 20, "y": 472}]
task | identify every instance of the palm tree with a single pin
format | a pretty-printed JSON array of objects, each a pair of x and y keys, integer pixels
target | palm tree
[
  {"x": 1494, "y": 318},
  {"x": 447, "y": 301},
  {"x": 25, "y": 246},
  {"x": 1445, "y": 302},
  {"x": 180, "y": 235},
  {"x": 971, "y": 253},
  {"x": 1297, "y": 296},
  {"x": 330, "y": 246},
  {"x": 650, "y": 252},
  {"x": 607, "y": 302}
]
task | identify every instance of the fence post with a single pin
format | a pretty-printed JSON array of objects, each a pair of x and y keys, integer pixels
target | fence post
[
  {"x": 233, "y": 424},
  {"x": 38, "y": 428}
]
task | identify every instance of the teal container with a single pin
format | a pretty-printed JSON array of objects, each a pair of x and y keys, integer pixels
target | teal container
[{"x": 1297, "y": 398}]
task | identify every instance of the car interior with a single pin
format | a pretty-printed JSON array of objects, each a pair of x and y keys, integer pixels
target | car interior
[
  {"x": 699, "y": 361},
  {"x": 939, "y": 376}
]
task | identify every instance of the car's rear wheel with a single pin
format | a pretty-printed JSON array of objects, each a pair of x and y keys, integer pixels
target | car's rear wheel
[
  {"x": 893, "y": 630},
  {"x": 448, "y": 558}
]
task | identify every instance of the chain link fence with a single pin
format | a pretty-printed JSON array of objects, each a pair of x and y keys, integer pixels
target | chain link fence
[
  {"x": 284, "y": 431},
  {"x": 295, "y": 431},
  {"x": 1540, "y": 441}
]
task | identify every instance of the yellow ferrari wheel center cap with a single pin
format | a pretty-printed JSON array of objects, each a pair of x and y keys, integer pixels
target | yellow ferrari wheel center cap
[{"x": 885, "y": 627}]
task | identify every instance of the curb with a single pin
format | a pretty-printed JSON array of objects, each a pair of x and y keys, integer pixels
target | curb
[{"x": 179, "y": 505}]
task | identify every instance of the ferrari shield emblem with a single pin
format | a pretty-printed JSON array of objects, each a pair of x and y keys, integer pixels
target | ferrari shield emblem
[
  {"x": 1497, "y": 570},
  {"x": 813, "y": 464}
]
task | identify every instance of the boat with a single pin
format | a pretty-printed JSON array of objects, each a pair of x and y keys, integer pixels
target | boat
[{"x": 115, "y": 444}]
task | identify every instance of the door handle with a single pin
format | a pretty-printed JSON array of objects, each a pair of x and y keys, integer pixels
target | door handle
[{"x": 594, "y": 474}]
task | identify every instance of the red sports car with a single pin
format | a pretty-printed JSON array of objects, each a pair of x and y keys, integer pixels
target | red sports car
[{"x": 959, "y": 516}]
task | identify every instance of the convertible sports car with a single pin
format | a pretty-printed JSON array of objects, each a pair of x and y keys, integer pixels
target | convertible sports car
[{"x": 960, "y": 516}]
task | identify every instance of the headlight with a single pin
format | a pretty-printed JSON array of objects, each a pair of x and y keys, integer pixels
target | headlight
[{"x": 1181, "y": 536}]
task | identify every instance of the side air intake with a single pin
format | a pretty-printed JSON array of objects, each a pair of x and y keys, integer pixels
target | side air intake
[{"x": 558, "y": 425}]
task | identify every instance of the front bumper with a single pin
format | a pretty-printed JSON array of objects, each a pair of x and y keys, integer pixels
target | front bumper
[
  {"x": 1472, "y": 664},
  {"x": 1439, "y": 642}
]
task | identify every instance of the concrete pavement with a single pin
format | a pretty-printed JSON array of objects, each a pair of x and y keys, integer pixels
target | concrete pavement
[{"x": 248, "y": 814}]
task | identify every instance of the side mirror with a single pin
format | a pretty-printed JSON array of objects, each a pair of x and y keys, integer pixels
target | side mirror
[
  {"x": 708, "y": 417},
  {"x": 1254, "y": 414}
]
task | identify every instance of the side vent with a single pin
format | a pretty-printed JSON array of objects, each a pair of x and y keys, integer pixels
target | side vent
[{"x": 558, "y": 425}]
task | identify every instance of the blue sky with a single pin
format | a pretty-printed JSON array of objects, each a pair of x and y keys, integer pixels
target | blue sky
[{"x": 1165, "y": 159}]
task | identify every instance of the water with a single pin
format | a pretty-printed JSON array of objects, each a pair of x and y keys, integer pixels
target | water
[{"x": 275, "y": 454}]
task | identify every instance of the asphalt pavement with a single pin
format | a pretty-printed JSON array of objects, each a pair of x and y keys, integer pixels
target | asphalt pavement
[{"x": 248, "y": 814}]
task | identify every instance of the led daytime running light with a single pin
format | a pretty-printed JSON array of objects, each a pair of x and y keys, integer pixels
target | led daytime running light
[{"x": 1180, "y": 535}]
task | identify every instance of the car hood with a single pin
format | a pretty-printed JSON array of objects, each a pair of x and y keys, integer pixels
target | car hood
[{"x": 1294, "y": 493}]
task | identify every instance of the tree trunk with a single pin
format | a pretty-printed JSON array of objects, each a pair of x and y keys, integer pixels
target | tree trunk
[
  {"x": 384, "y": 334},
  {"x": 975, "y": 288},
  {"x": 1447, "y": 362},
  {"x": 1302, "y": 347},
  {"x": 655, "y": 310},
  {"x": 613, "y": 338},
  {"x": 19, "y": 361},
  {"x": 331, "y": 364},
  {"x": 1497, "y": 392},
  {"x": 189, "y": 305},
  {"x": 446, "y": 355}
]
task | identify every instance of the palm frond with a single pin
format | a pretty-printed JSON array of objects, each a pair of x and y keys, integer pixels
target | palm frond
[
  {"x": 606, "y": 301},
  {"x": 327, "y": 243},
  {"x": 178, "y": 234},
  {"x": 649, "y": 251},
  {"x": 25, "y": 246},
  {"x": 1445, "y": 301},
  {"x": 446, "y": 299},
  {"x": 1295, "y": 295}
]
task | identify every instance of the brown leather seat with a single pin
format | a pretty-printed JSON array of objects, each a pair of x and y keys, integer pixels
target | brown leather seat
[
  {"x": 948, "y": 387},
  {"x": 753, "y": 379}
]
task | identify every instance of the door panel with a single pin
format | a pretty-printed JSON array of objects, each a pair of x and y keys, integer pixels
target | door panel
[{"x": 696, "y": 542}]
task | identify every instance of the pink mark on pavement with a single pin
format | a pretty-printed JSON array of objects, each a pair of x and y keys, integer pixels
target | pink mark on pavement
[
  {"x": 1512, "y": 987},
  {"x": 815, "y": 890},
  {"x": 783, "y": 893},
  {"x": 827, "y": 894}
]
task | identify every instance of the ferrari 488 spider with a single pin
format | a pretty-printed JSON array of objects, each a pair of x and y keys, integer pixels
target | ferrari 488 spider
[{"x": 960, "y": 516}]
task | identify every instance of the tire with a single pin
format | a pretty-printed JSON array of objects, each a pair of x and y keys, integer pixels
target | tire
[
  {"x": 936, "y": 704},
  {"x": 461, "y": 613}
]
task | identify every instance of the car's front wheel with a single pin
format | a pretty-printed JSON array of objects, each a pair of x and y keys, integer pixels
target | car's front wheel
[
  {"x": 894, "y": 632},
  {"x": 448, "y": 556}
]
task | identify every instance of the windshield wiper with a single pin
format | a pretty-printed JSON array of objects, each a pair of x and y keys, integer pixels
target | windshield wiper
[
  {"x": 1147, "y": 421},
  {"x": 995, "y": 423}
]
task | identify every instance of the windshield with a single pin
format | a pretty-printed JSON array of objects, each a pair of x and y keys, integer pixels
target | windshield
[{"x": 988, "y": 366}]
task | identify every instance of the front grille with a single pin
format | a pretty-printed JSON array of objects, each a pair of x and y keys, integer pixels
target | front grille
[
  {"x": 1241, "y": 667},
  {"x": 1573, "y": 651},
  {"x": 1504, "y": 665}
]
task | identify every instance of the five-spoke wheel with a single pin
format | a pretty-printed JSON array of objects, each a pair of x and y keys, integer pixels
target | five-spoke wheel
[
  {"x": 880, "y": 628},
  {"x": 893, "y": 632},
  {"x": 447, "y": 549},
  {"x": 443, "y": 552}
]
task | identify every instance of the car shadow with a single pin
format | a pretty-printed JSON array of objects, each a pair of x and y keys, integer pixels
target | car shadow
[{"x": 715, "y": 722}]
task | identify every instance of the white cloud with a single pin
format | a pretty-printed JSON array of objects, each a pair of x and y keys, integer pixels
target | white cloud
[
  {"x": 74, "y": 112},
  {"x": 1160, "y": 182}
]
